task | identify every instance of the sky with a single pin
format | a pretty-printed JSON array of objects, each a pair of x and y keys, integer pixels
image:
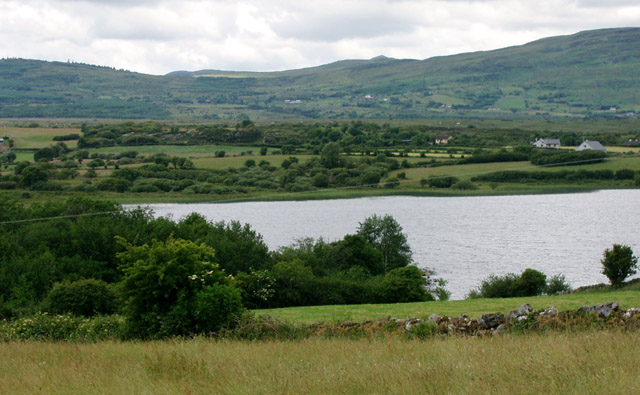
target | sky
[{"x": 160, "y": 36}]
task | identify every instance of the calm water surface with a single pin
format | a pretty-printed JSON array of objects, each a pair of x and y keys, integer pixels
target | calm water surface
[{"x": 464, "y": 239}]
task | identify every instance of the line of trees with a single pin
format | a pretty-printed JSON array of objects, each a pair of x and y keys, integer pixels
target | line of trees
[{"x": 188, "y": 276}]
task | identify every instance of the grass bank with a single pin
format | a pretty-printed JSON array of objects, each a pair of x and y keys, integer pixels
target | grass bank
[
  {"x": 587, "y": 362},
  {"x": 408, "y": 190},
  {"x": 472, "y": 307}
]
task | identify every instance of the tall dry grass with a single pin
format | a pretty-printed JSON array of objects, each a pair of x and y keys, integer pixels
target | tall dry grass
[{"x": 589, "y": 362}]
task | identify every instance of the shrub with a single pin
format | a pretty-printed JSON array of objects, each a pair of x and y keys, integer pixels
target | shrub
[
  {"x": 126, "y": 174},
  {"x": 216, "y": 306},
  {"x": 167, "y": 290},
  {"x": 46, "y": 327},
  {"x": 321, "y": 180},
  {"x": 619, "y": 263},
  {"x": 84, "y": 187},
  {"x": 48, "y": 186},
  {"x": 557, "y": 285},
  {"x": 442, "y": 182},
  {"x": 531, "y": 283},
  {"x": 392, "y": 182},
  {"x": 257, "y": 287},
  {"x": 8, "y": 185},
  {"x": 113, "y": 184},
  {"x": 625, "y": 174},
  {"x": 405, "y": 284},
  {"x": 464, "y": 186},
  {"x": 505, "y": 286},
  {"x": 82, "y": 298},
  {"x": 423, "y": 330},
  {"x": 563, "y": 157},
  {"x": 371, "y": 178}
]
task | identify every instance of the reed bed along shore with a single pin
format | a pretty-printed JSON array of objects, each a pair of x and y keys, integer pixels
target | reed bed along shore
[{"x": 554, "y": 362}]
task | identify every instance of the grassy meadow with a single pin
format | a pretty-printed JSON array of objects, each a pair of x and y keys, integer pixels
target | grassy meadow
[
  {"x": 36, "y": 138},
  {"x": 584, "y": 362},
  {"x": 453, "y": 308}
]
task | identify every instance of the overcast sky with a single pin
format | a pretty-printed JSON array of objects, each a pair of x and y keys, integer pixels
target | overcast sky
[{"x": 159, "y": 36}]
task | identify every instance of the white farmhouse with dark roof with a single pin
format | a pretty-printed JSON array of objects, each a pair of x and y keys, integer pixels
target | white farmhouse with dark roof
[
  {"x": 591, "y": 145},
  {"x": 443, "y": 139},
  {"x": 544, "y": 143}
]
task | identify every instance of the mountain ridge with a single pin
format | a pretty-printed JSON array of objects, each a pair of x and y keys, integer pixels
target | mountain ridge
[{"x": 588, "y": 74}]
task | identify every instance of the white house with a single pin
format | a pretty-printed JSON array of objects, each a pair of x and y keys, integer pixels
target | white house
[
  {"x": 545, "y": 143},
  {"x": 443, "y": 139},
  {"x": 591, "y": 145}
]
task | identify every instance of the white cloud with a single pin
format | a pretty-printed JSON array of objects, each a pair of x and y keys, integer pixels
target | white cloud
[{"x": 158, "y": 36}]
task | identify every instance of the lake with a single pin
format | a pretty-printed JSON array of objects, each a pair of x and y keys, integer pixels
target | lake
[{"x": 464, "y": 239}]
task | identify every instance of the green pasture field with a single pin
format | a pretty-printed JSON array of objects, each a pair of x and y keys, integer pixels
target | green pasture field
[
  {"x": 470, "y": 170},
  {"x": 590, "y": 362},
  {"x": 453, "y": 308},
  {"x": 36, "y": 138},
  {"x": 177, "y": 150},
  {"x": 239, "y": 161}
]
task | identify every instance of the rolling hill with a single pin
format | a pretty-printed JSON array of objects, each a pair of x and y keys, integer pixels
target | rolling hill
[{"x": 591, "y": 74}]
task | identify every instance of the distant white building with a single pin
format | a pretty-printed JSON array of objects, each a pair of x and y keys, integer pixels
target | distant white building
[
  {"x": 443, "y": 139},
  {"x": 545, "y": 143},
  {"x": 591, "y": 145}
]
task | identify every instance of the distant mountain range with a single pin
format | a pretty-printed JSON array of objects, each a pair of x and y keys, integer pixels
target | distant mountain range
[{"x": 594, "y": 74}]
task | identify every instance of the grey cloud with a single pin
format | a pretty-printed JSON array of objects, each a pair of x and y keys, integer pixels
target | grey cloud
[
  {"x": 607, "y": 3},
  {"x": 139, "y": 30},
  {"x": 340, "y": 26},
  {"x": 131, "y": 3}
]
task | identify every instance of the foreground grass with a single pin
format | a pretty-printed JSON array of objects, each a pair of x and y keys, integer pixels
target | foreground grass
[
  {"x": 587, "y": 362},
  {"x": 473, "y": 307}
]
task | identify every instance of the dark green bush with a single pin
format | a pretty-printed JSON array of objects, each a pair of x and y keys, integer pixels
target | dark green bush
[
  {"x": 442, "y": 182},
  {"x": 531, "y": 283},
  {"x": 321, "y": 180},
  {"x": 81, "y": 298},
  {"x": 464, "y": 185},
  {"x": 113, "y": 184},
  {"x": 405, "y": 284},
  {"x": 48, "y": 186},
  {"x": 501, "y": 156},
  {"x": 8, "y": 185},
  {"x": 163, "y": 289},
  {"x": 216, "y": 307},
  {"x": 557, "y": 285},
  {"x": 563, "y": 157},
  {"x": 618, "y": 263},
  {"x": 625, "y": 174},
  {"x": 505, "y": 286}
]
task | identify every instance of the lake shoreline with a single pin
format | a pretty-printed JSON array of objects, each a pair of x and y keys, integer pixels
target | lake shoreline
[
  {"x": 340, "y": 195},
  {"x": 462, "y": 240}
]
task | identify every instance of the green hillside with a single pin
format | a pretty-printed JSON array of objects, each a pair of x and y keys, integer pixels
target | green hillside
[{"x": 591, "y": 74}]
